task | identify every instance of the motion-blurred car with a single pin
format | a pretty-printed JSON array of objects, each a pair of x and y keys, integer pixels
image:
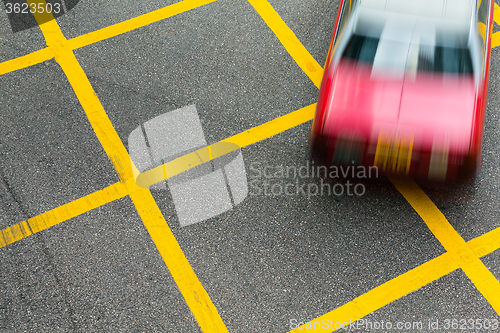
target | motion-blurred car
[{"x": 405, "y": 87}]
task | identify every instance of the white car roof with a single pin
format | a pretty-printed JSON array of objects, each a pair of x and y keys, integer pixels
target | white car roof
[
  {"x": 457, "y": 10},
  {"x": 407, "y": 30},
  {"x": 452, "y": 15}
]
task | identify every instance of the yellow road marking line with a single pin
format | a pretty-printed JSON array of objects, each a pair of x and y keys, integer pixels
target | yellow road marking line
[
  {"x": 273, "y": 127},
  {"x": 62, "y": 213},
  {"x": 26, "y": 61},
  {"x": 382, "y": 295},
  {"x": 495, "y": 39},
  {"x": 477, "y": 244},
  {"x": 136, "y": 22},
  {"x": 401, "y": 285},
  {"x": 485, "y": 244},
  {"x": 291, "y": 43},
  {"x": 102, "y": 34},
  {"x": 461, "y": 253},
  {"x": 14, "y": 233},
  {"x": 118, "y": 191},
  {"x": 194, "y": 294},
  {"x": 484, "y": 281},
  {"x": 237, "y": 141},
  {"x": 496, "y": 14},
  {"x": 183, "y": 163}
]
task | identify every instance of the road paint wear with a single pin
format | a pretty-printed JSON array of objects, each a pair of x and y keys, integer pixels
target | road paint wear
[{"x": 62, "y": 213}]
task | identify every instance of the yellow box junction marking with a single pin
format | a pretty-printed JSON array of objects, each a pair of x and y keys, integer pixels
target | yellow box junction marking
[
  {"x": 22, "y": 229},
  {"x": 399, "y": 286},
  {"x": 381, "y": 296},
  {"x": 305, "y": 61},
  {"x": 180, "y": 164},
  {"x": 195, "y": 295},
  {"x": 353, "y": 310}
]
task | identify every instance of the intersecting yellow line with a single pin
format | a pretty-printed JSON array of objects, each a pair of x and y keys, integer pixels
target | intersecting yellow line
[
  {"x": 399, "y": 286},
  {"x": 102, "y": 34},
  {"x": 306, "y": 62},
  {"x": 458, "y": 257},
  {"x": 195, "y": 295},
  {"x": 381, "y": 296},
  {"x": 119, "y": 190},
  {"x": 24, "y": 229},
  {"x": 461, "y": 253}
]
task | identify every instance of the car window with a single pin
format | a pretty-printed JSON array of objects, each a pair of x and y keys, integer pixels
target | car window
[
  {"x": 434, "y": 58},
  {"x": 361, "y": 48},
  {"x": 452, "y": 60}
]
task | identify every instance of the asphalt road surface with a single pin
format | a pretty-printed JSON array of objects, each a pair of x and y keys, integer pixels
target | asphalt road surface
[{"x": 84, "y": 249}]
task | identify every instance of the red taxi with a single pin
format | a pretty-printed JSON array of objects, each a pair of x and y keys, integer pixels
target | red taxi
[{"x": 405, "y": 87}]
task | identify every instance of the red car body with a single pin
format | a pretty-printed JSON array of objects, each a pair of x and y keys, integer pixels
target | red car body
[{"x": 422, "y": 115}]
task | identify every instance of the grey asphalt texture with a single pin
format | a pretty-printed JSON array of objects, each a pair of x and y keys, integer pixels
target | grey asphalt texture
[{"x": 270, "y": 261}]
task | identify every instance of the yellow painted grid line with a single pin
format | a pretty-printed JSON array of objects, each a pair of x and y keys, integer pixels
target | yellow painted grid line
[
  {"x": 307, "y": 63},
  {"x": 381, "y": 296},
  {"x": 496, "y": 14},
  {"x": 264, "y": 131},
  {"x": 94, "y": 200},
  {"x": 462, "y": 254},
  {"x": 273, "y": 127},
  {"x": 481, "y": 245},
  {"x": 62, "y": 213},
  {"x": 485, "y": 244},
  {"x": 136, "y": 22},
  {"x": 26, "y": 61},
  {"x": 291, "y": 43},
  {"x": 15, "y": 233},
  {"x": 400, "y": 286},
  {"x": 102, "y": 34},
  {"x": 239, "y": 140},
  {"x": 495, "y": 39},
  {"x": 194, "y": 294}
]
